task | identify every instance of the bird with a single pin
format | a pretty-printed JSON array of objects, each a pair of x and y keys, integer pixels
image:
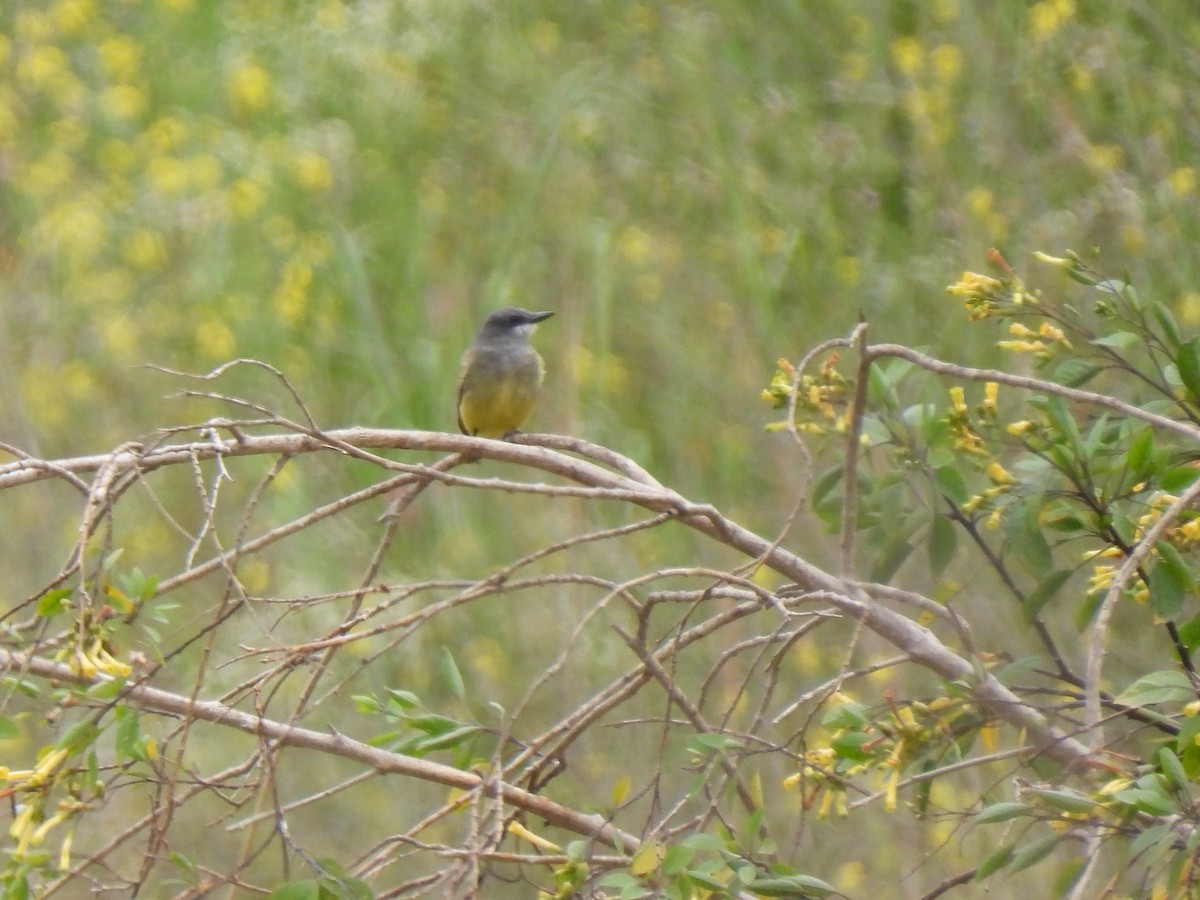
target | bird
[{"x": 501, "y": 375}]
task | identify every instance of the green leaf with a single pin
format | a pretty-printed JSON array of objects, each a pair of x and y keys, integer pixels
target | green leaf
[
  {"x": 994, "y": 863},
  {"x": 845, "y": 715},
  {"x": 52, "y": 603},
  {"x": 367, "y": 704},
  {"x": 891, "y": 558},
  {"x": 1188, "y": 362},
  {"x": 1163, "y": 686},
  {"x": 1149, "y": 838},
  {"x": 950, "y": 482},
  {"x": 880, "y": 389},
  {"x": 1002, "y": 812},
  {"x": 1189, "y": 633},
  {"x": 1141, "y": 454},
  {"x": 128, "y": 735},
  {"x": 1065, "y": 800},
  {"x": 1045, "y": 591},
  {"x": 433, "y": 724},
  {"x": 849, "y": 745},
  {"x": 1118, "y": 340},
  {"x": 9, "y": 730},
  {"x": 1035, "y": 852},
  {"x": 1167, "y": 589},
  {"x": 1166, "y": 321},
  {"x": 705, "y": 742},
  {"x": 943, "y": 541},
  {"x": 444, "y": 741},
  {"x": 1181, "y": 477},
  {"x": 702, "y": 879},
  {"x": 1027, "y": 538},
  {"x": 1172, "y": 768},
  {"x": 452, "y": 676},
  {"x": 1156, "y": 803},
  {"x": 792, "y": 886},
  {"x": 674, "y": 861},
  {"x": 298, "y": 890},
  {"x": 1076, "y": 372},
  {"x": 404, "y": 699}
]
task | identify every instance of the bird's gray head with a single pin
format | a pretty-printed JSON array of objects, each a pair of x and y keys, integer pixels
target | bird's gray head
[{"x": 511, "y": 322}]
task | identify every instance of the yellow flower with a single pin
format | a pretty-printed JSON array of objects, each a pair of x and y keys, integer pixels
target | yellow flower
[
  {"x": 291, "y": 296},
  {"x": 999, "y": 474},
  {"x": 214, "y": 339},
  {"x": 1018, "y": 330},
  {"x": 1022, "y": 346},
  {"x": 245, "y": 198},
  {"x": 907, "y": 54},
  {"x": 72, "y": 15},
  {"x": 957, "y": 401},
  {"x": 991, "y": 390},
  {"x": 633, "y": 243},
  {"x": 947, "y": 62},
  {"x": 1054, "y": 333},
  {"x": 312, "y": 172},
  {"x": 124, "y": 101},
  {"x": 1016, "y": 429},
  {"x": 144, "y": 249},
  {"x": 1183, "y": 181},
  {"x": 121, "y": 56},
  {"x": 250, "y": 89}
]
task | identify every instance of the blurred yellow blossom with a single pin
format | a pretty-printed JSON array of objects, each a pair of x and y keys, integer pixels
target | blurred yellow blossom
[
  {"x": 312, "y": 172},
  {"x": 1047, "y": 17},
  {"x": 848, "y": 270},
  {"x": 204, "y": 172},
  {"x": 250, "y": 89},
  {"x": 945, "y": 10},
  {"x": 33, "y": 26},
  {"x": 143, "y": 249},
  {"x": 1183, "y": 181},
  {"x": 124, "y": 101},
  {"x": 291, "y": 296},
  {"x": 121, "y": 56},
  {"x": 77, "y": 228},
  {"x": 167, "y": 175},
  {"x": 69, "y": 133},
  {"x": 907, "y": 54},
  {"x": 245, "y": 198},
  {"x": 947, "y": 62},
  {"x": 116, "y": 157},
  {"x": 166, "y": 134},
  {"x": 46, "y": 175},
  {"x": 1080, "y": 77},
  {"x": 633, "y": 243},
  {"x": 280, "y": 232},
  {"x": 120, "y": 334},
  {"x": 1106, "y": 157},
  {"x": 544, "y": 36},
  {"x": 214, "y": 339},
  {"x": 42, "y": 66},
  {"x": 1000, "y": 475},
  {"x": 332, "y": 15}
]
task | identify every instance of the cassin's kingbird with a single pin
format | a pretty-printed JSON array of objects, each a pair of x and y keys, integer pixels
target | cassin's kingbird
[{"x": 501, "y": 375}]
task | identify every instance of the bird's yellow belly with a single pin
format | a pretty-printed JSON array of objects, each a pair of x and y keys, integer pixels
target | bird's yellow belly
[{"x": 493, "y": 410}]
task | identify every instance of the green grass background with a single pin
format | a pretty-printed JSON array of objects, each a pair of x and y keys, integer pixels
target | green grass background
[{"x": 344, "y": 189}]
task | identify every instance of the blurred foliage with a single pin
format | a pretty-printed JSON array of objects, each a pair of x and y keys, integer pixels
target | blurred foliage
[{"x": 344, "y": 189}]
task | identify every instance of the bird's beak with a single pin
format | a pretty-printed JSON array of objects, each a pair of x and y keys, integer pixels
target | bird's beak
[{"x": 539, "y": 316}]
